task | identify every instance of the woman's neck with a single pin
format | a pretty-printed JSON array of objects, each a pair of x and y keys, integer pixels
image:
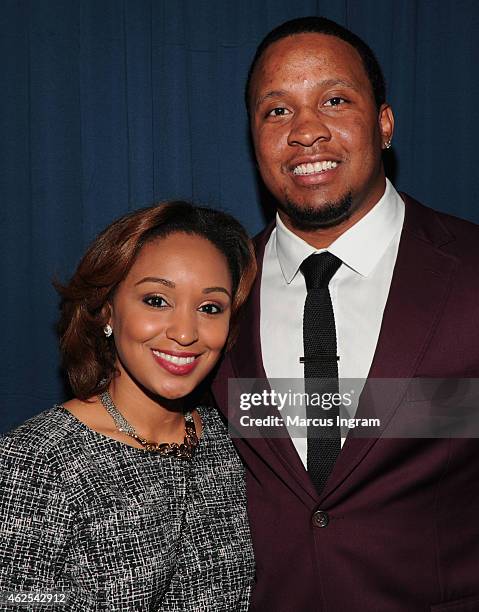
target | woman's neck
[{"x": 152, "y": 417}]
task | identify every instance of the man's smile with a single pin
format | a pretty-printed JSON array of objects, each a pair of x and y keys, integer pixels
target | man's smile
[
  {"x": 311, "y": 172},
  {"x": 314, "y": 168}
]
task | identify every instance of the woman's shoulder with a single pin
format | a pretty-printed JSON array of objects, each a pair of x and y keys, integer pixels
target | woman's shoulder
[
  {"x": 212, "y": 420},
  {"x": 32, "y": 460},
  {"x": 40, "y": 435},
  {"x": 215, "y": 444}
]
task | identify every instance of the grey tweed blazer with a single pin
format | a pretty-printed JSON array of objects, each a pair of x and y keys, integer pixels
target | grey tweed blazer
[{"x": 120, "y": 529}]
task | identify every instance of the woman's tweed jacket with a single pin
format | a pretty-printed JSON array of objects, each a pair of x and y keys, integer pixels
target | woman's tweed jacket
[{"x": 118, "y": 528}]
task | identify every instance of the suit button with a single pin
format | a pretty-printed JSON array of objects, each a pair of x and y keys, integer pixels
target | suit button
[{"x": 320, "y": 519}]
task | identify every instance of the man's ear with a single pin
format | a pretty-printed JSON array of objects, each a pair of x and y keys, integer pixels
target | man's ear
[{"x": 386, "y": 125}]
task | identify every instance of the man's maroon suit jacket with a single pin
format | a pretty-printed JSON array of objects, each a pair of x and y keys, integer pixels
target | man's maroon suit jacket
[{"x": 403, "y": 531}]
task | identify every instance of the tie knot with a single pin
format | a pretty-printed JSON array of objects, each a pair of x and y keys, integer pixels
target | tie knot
[{"x": 318, "y": 269}]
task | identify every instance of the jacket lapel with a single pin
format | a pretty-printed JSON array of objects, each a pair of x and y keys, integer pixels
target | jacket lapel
[
  {"x": 246, "y": 355},
  {"x": 246, "y": 360},
  {"x": 420, "y": 285}
]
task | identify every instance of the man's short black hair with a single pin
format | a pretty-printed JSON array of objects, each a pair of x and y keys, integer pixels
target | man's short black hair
[{"x": 321, "y": 25}]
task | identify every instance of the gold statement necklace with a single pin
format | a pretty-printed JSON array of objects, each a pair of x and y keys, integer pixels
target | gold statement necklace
[{"x": 182, "y": 451}]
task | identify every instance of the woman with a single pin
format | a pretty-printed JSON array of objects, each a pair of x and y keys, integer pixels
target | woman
[{"x": 129, "y": 497}]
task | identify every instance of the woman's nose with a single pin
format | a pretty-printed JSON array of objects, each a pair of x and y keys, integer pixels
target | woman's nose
[{"x": 182, "y": 327}]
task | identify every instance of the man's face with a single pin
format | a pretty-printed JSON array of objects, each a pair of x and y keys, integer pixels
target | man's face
[{"x": 317, "y": 132}]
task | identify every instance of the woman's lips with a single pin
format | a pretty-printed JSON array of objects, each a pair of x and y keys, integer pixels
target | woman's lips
[{"x": 176, "y": 363}]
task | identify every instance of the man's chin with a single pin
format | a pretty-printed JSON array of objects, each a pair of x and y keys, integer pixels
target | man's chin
[{"x": 317, "y": 216}]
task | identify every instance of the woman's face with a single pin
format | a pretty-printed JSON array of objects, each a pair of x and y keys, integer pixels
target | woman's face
[{"x": 170, "y": 315}]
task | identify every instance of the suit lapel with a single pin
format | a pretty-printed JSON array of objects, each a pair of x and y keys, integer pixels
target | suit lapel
[
  {"x": 420, "y": 285},
  {"x": 246, "y": 355},
  {"x": 246, "y": 360}
]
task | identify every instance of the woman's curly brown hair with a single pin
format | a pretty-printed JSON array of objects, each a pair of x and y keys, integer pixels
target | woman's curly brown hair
[{"x": 88, "y": 355}]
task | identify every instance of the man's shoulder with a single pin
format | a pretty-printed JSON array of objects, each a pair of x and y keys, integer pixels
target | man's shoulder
[
  {"x": 448, "y": 232},
  {"x": 444, "y": 236},
  {"x": 262, "y": 237}
]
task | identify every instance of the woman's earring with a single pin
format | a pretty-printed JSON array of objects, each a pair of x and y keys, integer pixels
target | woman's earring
[
  {"x": 107, "y": 330},
  {"x": 387, "y": 144}
]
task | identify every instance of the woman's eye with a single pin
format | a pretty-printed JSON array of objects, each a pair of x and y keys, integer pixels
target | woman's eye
[
  {"x": 210, "y": 309},
  {"x": 279, "y": 111},
  {"x": 336, "y": 101},
  {"x": 155, "y": 300}
]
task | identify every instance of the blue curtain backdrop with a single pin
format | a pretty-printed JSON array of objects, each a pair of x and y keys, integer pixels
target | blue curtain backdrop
[{"x": 107, "y": 105}]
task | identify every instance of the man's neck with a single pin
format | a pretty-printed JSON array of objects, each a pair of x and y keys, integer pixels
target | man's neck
[{"x": 322, "y": 238}]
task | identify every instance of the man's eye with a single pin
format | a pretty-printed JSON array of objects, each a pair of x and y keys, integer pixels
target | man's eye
[
  {"x": 279, "y": 111},
  {"x": 156, "y": 301},
  {"x": 336, "y": 101},
  {"x": 210, "y": 309}
]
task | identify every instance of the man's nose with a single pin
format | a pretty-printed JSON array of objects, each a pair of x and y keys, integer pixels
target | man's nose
[
  {"x": 182, "y": 327},
  {"x": 307, "y": 128}
]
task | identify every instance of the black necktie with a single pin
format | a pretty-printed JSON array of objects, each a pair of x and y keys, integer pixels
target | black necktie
[{"x": 320, "y": 362}]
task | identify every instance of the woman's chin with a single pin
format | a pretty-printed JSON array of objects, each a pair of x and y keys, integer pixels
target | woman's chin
[{"x": 174, "y": 393}]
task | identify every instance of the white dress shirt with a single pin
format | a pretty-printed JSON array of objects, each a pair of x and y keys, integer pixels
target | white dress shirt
[{"x": 359, "y": 291}]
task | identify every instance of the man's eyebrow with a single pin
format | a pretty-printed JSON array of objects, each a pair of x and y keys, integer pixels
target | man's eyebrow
[
  {"x": 156, "y": 279},
  {"x": 334, "y": 82},
  {"x": 278, "y": 93},
  {"x": 275, "y": 93}
]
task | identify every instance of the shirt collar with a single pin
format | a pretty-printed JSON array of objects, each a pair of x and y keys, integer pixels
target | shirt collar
[{"x": 360, "y": 247}]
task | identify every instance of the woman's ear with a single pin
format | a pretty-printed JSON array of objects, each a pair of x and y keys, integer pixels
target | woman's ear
[{"x": 107, "y": 319}]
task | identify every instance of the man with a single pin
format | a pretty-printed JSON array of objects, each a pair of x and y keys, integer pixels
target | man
[{"x": 391, "y": 525}]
